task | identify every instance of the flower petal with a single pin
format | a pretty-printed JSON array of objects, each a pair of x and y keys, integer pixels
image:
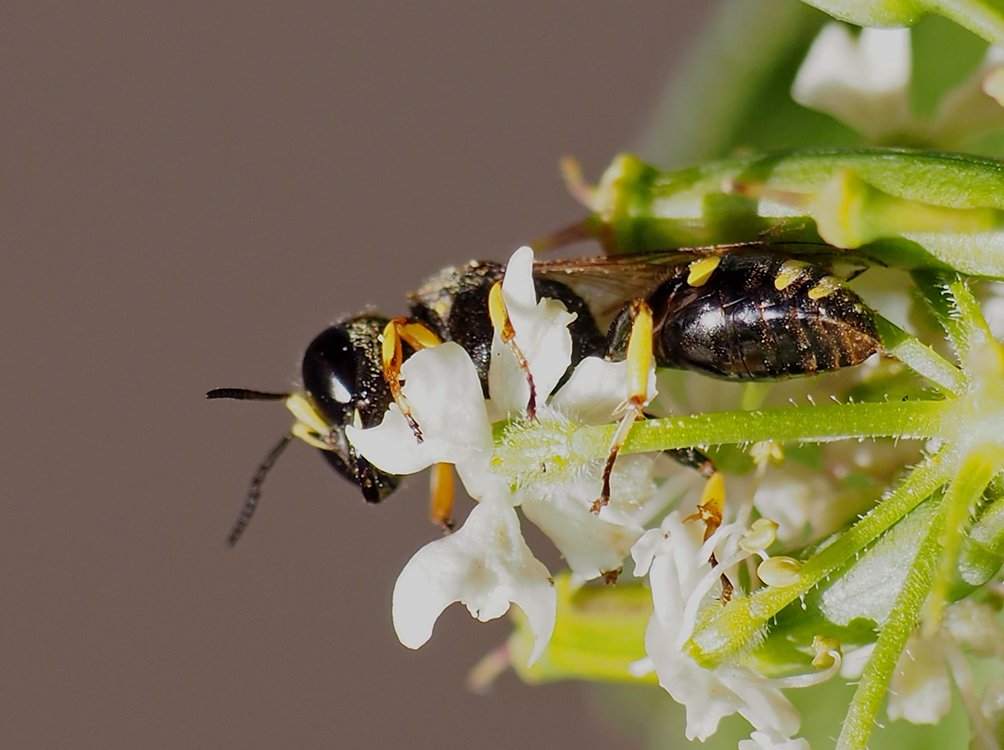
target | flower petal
[
  {"x": 541, "y": 334},
  {"x": 486, "y": 565},
  {"x": 920, "y": 690},
  {"x": 773, "y": 741},
  {"x": 443, "y": 389},
  {"x": 596, "y": 389},
  {"x": 590, "y": 545},
  {"x": 676, "y": 566},
  {"x": 861, "y": 81}
]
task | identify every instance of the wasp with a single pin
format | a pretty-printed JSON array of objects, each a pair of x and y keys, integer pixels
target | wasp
[{"x": 751, "y": 311}]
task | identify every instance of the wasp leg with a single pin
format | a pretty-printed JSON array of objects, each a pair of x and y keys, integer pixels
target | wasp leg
[
  {"x": 441, "y": 493},
  {"x": 501, "y": 322},
  {"x": 710, "y": 511},
  {"x": 397, "y": 332},
  {"x": 691, "y": 458},
  {"x": 639, "y": 360}
]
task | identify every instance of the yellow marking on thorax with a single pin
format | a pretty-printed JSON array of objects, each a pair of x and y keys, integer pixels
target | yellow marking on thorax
[{"x": 701, "y": 270}]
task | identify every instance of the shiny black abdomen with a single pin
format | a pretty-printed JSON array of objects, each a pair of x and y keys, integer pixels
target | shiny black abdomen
[{"x": 758, "y": 317}]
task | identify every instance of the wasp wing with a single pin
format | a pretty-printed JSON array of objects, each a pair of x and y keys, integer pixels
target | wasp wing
[{"x": 607, "y": 282}]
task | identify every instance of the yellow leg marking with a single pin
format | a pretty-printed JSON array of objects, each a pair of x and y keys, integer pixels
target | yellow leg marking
[
  {"x": 305, "y": 414},
  {"x": 498, "y": 314},
  {"x": 701, "y": 270},
  {"x": 826, "y": 286},
  {"x": 441, "y": 493},
  {"x": 788, "y": 274},
  {"x": 501, "y": 322},
  {"x": 639, "y": 362},
  {"x": 417, "y": 336},
  {"x": 639, "y": 352}
]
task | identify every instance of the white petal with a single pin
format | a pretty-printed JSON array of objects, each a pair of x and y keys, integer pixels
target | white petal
[
  {"x": 920, "y": 690},
  {"x": 596, "y": 389},
  {"x": 677, "y": 564},
  {"x": 590, "y": 545},
  {"x": 443, "y": 389},
  {"x": 486, "y": 565},
  {"x": 977, "y": 626},
  {"x": 773, "y": 741},
  {"x": 541, "y": 334},
  {"x": 863, "y": 82}
]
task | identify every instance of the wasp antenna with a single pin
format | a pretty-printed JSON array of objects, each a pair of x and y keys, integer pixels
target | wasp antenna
[
  {"x": 254, "y": 490},
  {"x": 246, "y": 394}
]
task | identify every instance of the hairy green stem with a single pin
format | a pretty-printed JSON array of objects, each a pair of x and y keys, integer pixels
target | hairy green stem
[
  {"x": 904, "y": 615},
  {"x": 919, "y": 357},
  {"x": 961, "y": 499},
  {"x": 823, "y": 423}
]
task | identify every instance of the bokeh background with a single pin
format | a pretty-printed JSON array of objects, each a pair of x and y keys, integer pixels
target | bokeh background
[{"x": 191, "y": 191}]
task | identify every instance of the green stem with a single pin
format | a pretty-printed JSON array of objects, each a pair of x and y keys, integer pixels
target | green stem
[
  {"x": 824, "y": 423},
  {"x": 982, "y": 18},
  {"x": 919, "y": 357},
  {"x": 962, "y": 497},
  {"x": 957, "y": 310},
  {"x": 891, "y": 641},
  {"x": 731, "y": 629}
]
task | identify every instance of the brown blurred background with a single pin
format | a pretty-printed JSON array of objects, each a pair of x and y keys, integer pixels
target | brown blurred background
[{"x": 191, "y": 191}]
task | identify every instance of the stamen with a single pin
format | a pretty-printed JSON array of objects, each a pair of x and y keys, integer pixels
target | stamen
[
  {"x": 828, "y": 659},
  {"x": 780, "y": 571},
  {"x": 758, "y": 537}
]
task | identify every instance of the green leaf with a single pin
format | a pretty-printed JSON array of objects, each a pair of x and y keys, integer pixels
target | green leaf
[
  {"x": 902, "y": 208},
  {"x": 983, "y": 17}
]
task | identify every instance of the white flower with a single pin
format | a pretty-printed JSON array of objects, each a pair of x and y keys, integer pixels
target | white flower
[
  {"x": 920, "y": 690},
  {"x": 921, "y": 687},
  {"x": 486, "y": 564},
  {"x": 772, "y": 741},
  {"x": 863, "y": 81},
  {"x": 676, "y": 561}
]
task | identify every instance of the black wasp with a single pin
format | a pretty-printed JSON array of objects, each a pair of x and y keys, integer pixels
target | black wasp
[{"x": 755, "y": 311}]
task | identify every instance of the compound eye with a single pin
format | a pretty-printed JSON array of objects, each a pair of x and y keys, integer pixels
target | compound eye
[{"x": 330, "y": 374}]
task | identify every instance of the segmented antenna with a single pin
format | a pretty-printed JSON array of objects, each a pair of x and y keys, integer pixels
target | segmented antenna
[
  {"x": 254, "y": 490},
  {"x": 245, "y": 394}
]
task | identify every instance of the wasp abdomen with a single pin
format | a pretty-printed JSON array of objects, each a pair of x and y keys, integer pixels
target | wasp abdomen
[{"x": 756, "y": 317}]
